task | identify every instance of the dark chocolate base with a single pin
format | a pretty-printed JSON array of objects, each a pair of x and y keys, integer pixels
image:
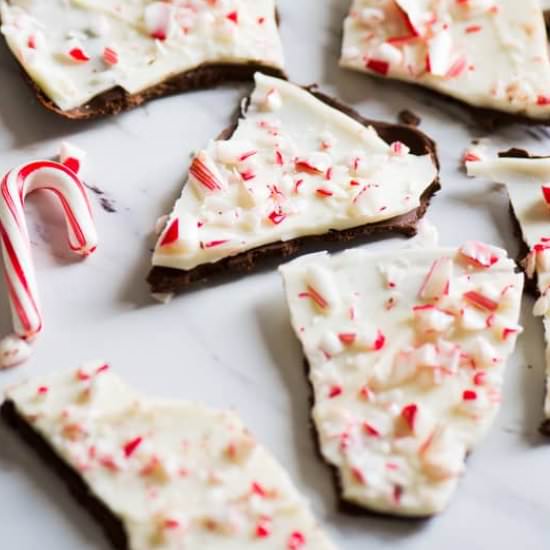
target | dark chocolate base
[
  {"x": 164, "y": 280},
  {"x": 111, "y": 525},
  {"x": 484, "y": 118},
  {"x": 117, "y": 100}
]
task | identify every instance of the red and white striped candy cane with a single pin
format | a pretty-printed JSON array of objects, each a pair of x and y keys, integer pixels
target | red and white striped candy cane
[{"x": 19, "y": 274}]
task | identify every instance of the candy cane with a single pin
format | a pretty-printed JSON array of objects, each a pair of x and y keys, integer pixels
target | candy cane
[{"x": 63, "y": 181}]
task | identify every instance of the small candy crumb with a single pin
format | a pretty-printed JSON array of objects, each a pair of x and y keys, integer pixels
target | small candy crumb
[
  {"x": 296, "y": 541},
  {"x": 13, "y": 351}
]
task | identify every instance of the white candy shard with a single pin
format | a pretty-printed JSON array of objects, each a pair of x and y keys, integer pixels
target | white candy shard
[
  {"x": 73, "y": 157},
  {"x": 14, "y": 350},
  {"x": 437, "y": 281}
]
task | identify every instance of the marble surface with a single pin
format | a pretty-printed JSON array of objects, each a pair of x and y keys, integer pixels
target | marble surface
[{"x": 232, "y": 345}]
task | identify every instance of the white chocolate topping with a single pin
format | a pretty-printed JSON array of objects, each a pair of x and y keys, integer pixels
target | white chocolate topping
[
  {"x": 293, "y": 167},
  {"x": 75, "y": 50},
  {"x": 178, "y": 475},
  {"x": 486, "y": 53},
  {"x": 528, "y": 184},
  {"x": 407, "y": 352}
]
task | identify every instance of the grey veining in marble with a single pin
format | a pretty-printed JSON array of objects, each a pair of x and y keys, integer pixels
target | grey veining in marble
[{"x": 231, "y": 345}]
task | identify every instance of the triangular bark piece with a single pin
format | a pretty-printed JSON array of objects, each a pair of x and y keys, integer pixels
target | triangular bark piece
[
  {"x": 297, "y": 168},
  {"x": 487, "y": 54},
  {"x": 406, "y": 353},
  {"x": 91, "y": 58},
  {"x": 527, "y": 180},
  {"x": 160, "y": 474}
]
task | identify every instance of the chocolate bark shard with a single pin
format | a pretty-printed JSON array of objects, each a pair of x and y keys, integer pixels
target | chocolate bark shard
[
  {"x": 89, "y": 59},
  {"x": 159, "y": 474},
  {"x": 525, "y": 175},
  {"x": 467, "y": 52},
  {"x": 395, "y": 413},
  {"x": 284, "y": 186}
]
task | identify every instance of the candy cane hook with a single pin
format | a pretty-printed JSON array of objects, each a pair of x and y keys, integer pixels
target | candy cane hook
[{"x": 62, "y": 180}]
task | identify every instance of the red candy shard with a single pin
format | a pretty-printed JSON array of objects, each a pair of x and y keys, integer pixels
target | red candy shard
[
  {"x": 82, "y": 376},
  {"x": 347, "y": 338},
  {"x": 78, "y": 54},
  {"x": 305, "y": 166},
  {"x": 507, "y": 332},
  {"x": 109, "y": 463},
  {"x": 409, "y": 414},
  {"x": 324, "y": 193},
  {"x": 172, "y": 234},
  {"x": 380, "y": 341},
  {"x": 479, "y": 378},
  {"x": 214, "y": 244},
  {"x": 233, "y": 16},
  {"x": 263, "y": 528},
  {"x": 110, "y": 56},
  {"x": 131, "y": 446},
  {"x": 370, "y": 430},
  {"x": 480, "y": 301},
  {"x": 171, "y": 523},
  {"x": 315, "y": 296},
  {"x": 276, "y": 217},
  {"x": 258, "y": 489},
  {"x": 478, "y": 254},
  {"x": 248, "y": 175},
  {"x": 296, "y": 541},
  {"x": 204, "y": 175},
  {"x": 378, "y": 66},
  {"x": 469, "y": 395}
]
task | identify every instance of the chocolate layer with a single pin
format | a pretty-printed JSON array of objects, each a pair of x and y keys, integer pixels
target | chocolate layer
[
  {"x": 117, "y": 100},
  {"x": 168, "y": 280}
]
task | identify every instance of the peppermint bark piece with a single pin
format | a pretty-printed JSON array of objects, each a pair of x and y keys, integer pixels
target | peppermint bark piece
[
  {"x": 406, "y": 352},
  {"x": 160, "y": 474},
  {"x": 527, "y": 180},
  {"x": 91, "y": 58},
  {"x": 485, "y": 53},
  {"x": 297, "y": 168}
]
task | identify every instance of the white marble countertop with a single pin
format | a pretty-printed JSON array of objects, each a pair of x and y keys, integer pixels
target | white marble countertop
[{"x": 231, "y": 345}]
